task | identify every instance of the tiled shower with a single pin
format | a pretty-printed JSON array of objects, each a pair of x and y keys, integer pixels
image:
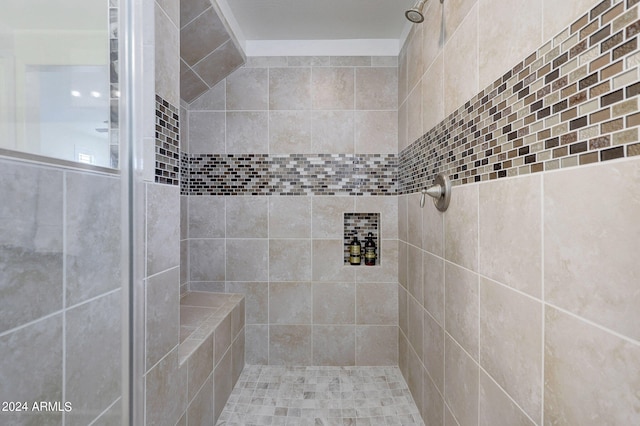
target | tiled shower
[{"x": 518, "y": 305}]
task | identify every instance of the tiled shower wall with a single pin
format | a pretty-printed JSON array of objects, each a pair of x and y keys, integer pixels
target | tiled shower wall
[
  {"x": 517, "y": 305},
  {"x": 277, "y": 120},
  {"x": 60, "y": 296}
]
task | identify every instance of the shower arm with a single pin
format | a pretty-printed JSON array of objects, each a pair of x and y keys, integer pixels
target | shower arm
[{"x": 440, "y": 192}]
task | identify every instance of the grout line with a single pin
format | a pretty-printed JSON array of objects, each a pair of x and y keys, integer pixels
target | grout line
[{"x": 543, "y": 315}]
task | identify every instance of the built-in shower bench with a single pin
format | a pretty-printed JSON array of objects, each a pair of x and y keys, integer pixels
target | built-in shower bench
[{"x": 212, "y": 342}]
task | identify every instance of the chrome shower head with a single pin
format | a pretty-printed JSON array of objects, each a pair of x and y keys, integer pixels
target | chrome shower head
[{"x": 415, "y": 13}]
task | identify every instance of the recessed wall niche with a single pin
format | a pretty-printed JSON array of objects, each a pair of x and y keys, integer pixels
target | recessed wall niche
[{"x": 361, "y": 224}]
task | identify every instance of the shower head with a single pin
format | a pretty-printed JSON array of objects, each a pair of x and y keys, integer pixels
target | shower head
[{"x": 415, "y": 13}]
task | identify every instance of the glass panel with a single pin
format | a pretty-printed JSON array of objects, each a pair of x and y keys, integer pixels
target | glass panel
[{"x": 58, "y": 80}]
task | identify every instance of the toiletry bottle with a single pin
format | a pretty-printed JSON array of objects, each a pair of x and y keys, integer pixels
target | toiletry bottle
[
  {"x": 355, "y": 250},
  {"x": 370, "y": 251}
]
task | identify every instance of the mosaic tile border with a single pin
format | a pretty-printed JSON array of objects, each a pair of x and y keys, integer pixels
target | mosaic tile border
[
  {"x": 168, "y": 162},
  {"x": 289, "y": 174},
  {"x": 572, "y": 102}
]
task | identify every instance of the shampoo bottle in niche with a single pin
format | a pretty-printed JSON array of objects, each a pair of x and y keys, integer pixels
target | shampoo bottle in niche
[
  {"x": 370, "y": 251},
  {"x": 355, "y": 251}
]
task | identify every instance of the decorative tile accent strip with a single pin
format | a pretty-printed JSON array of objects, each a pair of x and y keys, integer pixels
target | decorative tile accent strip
[
  {"x": 167, "y": 142},
  {"x": 289, "y": 174},
  {"x": 361, "y": 224},
  {"x": 573, "y": 102}
]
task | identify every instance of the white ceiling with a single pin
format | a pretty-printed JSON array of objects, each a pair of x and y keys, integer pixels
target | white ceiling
[{"x": 319, "y": 19}]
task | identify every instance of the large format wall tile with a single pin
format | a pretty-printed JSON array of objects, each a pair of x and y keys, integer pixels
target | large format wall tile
[
  {"x": 207, "y": 132},
  {"x": 162, "y": 331},
  {"x": 461, "y": 307},
  {"x": 290, "y": 217},
  {"x": 206, "y": 217},
  {"x": 334, "y": 345},
  {"x": 591, "y": 376},
  {"x": 93, "y": 356},
  {"x": 497, "y": 408},
  {"x": 461, "y": 384},
  {"x": 247, "y": 260},
  {"x": 207, "y": 259},
  {"x": 461, "y": 227},
  {"x": 590, "y": 260},
  {"x": 93, "y": 248},
  {"x": 333, "y": 88},
  {"x": 166, "y": 391},
  {"x": 376, "y": 345},
  {"x": 247, "y": 217},
  {"x": 31, "y": 235},
  {"x": 511, "y": 344},
  {"x": 290, "y": 344},
  {"x": 334, "y": 303},
  {"x": 31, "y": 364},
  {"x": 290, "y": 88},
  {"x": 163, "y": 228},
  {"x": 290, "y": 303},
  {"x": 376, "y": 88},
  {"x": 247, "y": 90},
  {"x": 510, "y": 233}
]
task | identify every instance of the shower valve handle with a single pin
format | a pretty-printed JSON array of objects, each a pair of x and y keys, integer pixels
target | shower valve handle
[{"x": 440, "y": 191}]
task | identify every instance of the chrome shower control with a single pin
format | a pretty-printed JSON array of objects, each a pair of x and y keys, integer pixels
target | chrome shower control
[{"x": 440, "y": 191}]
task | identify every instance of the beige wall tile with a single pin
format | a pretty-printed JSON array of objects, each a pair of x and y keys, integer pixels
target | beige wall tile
[
  {"x": 162, "y": 307},
  {"x": 328, "y": 215},
  {"x": 238, "y": 349},
  {"x": 207, "y": 260},
  {"x": 215, "y": 67},
  {"x": 377, "y": 88},
  {"x": 290, "y": 260},
  {"x": 376, "y": 345},
  {"x": 163, "y": 229},
  {"x": 403, "y": 126},
  {"x": 415, "y": 279},
  {"x": 376, "y": 304},
  {"x": 333, "y": 131},
  {"x": 290, "y": 344},
  {"x": 414, "y": 114},
  {"x": 256, "y": 296},
  {"x": 497, "y": 408},
  {"x": 461, "y": 384},
  {"x": 222, "y": 340},
  {"x": 31, "y": 361},
  {"x": 432, "y": 32},
  {"x": 434, "y": 350},
  {"x": 190, "y": 9},
  {"x": 213, "y": 99},
  {"x": 247, "y": 132},
  {"x": 333, "y": 88},
  {"x": 461, "y": 63},
  {"x": 201, "y": 409},
  {"x": 455, "y": 12},
  {"x": 166, "y": 391},
  {"x": 386, "y": 268},
  {"x": 403, "y": 310},
  {"x": 387, "y": 206},
  {"x": 433, "y": 405},
  {"x": 207, "y": 134},
  {"x": 328, "y": 262},
  {"x": 247, "y": 217},
  {"x": 289, "y": 88},
  {"x": 334, "y": 345},
  {"x": 511, "y": 344},
  {"x": 433, "y": 94},
  {"x": 290, "y": 303},
  {"x": 376, "y": 132},
  {"x": 415, "y": 377},
  {"x": 522, "y": 20},
  {"x": 414, "y": 220},
  {"x": 289, "y": 132},
  {"x": 247, "y": 90},
  {"x": 510, "y": 233},
  {"x": 432, "y": 227},
  {"x": 167, "y": 57},
  {"x": 433, "y": 297},
  {"x": 257, "y": 344},
  {"x": 206, "y": 217},
  {"x": 200, "y": 366},
  {"x": 201, "y": 36},
  {"x": 247, "y": 259},
  {"x": 415, "y": 326},
  {"x": 289, "y": 217},
  {"x": 591, "y": 376},
  {"x": 402, "y": 74},
  {"x": 415, "y": 57},
  {"x": 461, "y": 307},
  {"x": 222, "y": 384},
  {"x": 461, "y": 227},
  {"x": 31, "y": 244},
  {"x": 590, "y": 260},
  {"x": 334, "y": 303},
  {"x": 560, "y": 14},
  {"x": 403, "y": 217}
]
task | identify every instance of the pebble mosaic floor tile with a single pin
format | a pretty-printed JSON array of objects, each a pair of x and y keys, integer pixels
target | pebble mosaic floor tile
[{"x": 276, "y": 395}]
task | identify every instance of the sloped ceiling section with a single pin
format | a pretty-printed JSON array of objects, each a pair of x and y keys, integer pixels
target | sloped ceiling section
[{"x": 208, "y": 49}]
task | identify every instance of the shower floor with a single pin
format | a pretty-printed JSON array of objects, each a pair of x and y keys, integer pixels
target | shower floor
[{"x": 274, "y": 395}]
